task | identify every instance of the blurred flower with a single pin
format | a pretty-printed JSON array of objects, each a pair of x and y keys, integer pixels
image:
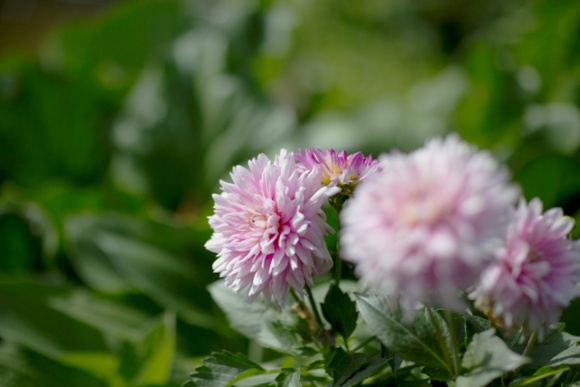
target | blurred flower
[
  {"x": 269, "y": 228},
  {"x": 338, "y": 168},
  {"x": 422, "y": 228},
  {"x": 536, "y": 273}
]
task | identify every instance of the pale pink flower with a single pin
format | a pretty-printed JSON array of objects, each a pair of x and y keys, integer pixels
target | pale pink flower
[
  {"x": 269, "y": 228},
  {"x": 536, "y": 271},
  {"x": 423, "y": 226},
  {"x": 338, "y": 168}
]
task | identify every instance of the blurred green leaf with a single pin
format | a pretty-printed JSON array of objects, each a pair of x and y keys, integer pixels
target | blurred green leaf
[
  {"x": 29, "y": 320},
  {"x": 115, "y": 254},
  {"x": 560, "y": 178},
  {"x": 222, "y": 368},
  {"x": 22, "y": 368}
]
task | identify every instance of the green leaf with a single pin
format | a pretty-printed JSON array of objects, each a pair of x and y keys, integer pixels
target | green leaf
[
  {"x": 221, "y": 368},
  {"x": 553, "y": 344},
  {"x": 157, "y": 351},
  {"x": 569, "y": 357},
  {"x": 29, "y": 319},
  {"x": 343, "y": 365},
  {"x": 24, "y": 368},
  {"x": 288, "y": 378},
  {"x": 542, "y": 373},
  {"x": 486, "y": 358},
  {"x": 114, "y": 318},
  {"x": 115, "y": 253},
  {"x": 415, "y": 340},
  {"x": 348, "y": 369},
  {"x": 102, "y": 365},
  {"x": 269, "y": 327},
  {"x": 340, "y": 311}
]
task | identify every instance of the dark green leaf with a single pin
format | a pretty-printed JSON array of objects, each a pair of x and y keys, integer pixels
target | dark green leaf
[
  {"x": 221, "y": 368},
  {"x": 569, "y": 357},
  {"x": 23, "y": 368},
  {"x": 349, "y": 369},
  {"x": 288, "y": 378},
  {"x": 486, "y": 358},
  {"x": 340, "y": 311},
  {"x": 552, "y": 344},
  {"x": 415, "y": 340},
  {"x": 29, "y": 319}
]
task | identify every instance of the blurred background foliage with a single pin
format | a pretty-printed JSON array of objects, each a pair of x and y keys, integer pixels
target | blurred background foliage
[{"x": 118, "y": 118}]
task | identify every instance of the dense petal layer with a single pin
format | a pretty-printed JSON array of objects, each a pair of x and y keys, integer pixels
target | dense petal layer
[
  {"x": 269, "y": 228},
  {"x": 423, "y": 226}
]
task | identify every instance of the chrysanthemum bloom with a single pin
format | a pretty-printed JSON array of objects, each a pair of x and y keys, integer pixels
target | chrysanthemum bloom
[
  {"x": 536, "y": 271},
  {"x": 338, "y": 168},
  {"x": 423, "y": 226},
  {"x": 269, "y": 228}
]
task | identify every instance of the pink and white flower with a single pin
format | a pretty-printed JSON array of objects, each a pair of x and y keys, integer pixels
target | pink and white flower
[
  {"x": 423, "y": 227},
  {"x": 536, "y": 271},
  {"x": 338, "y": 168},
  {"x": 269, "y": 228}
]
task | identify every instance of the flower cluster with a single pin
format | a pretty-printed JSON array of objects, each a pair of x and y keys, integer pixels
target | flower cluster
[
  {"x": 424, "y": 228},
  {"x": 428, "y": 227},
  {"x": 338, "y": 168}
]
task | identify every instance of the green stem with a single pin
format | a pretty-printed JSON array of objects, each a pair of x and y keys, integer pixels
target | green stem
[
  {"x": 454, "y": 344},
  {"x": 530, "y": 344},
  {"x": 361, "y": 345},
  {"x": 337, "y": 260},
  {"x": 314, "y": 308},
  {"x": 526, "y": 352}
]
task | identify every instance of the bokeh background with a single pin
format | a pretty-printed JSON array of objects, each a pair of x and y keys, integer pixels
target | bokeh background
[{"x": 118, "y": 118}]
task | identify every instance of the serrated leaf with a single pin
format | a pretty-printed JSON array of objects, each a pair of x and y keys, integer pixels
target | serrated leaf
[
  {"x": 486, "y": 358},
  {"x": 343, "y": 365},
  {"x": 569, "y": 357},
  {"x": 340, "y": 311},
  {"x": 414, "y": 340},
  {"x": 553, "y": 344},
  {"x": 348, "y": 369},
  {"x": 221, "y": 368}
]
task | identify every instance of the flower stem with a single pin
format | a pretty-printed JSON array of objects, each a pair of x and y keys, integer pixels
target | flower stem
[
  {"x": 314, "y": 308},
  {"x": 454, "y": 344},
  {"x": 530, "y": 344},
  {"x": 361, "y": 345},
  {"x": 526, "y": 352},
  {"x": 337, "y": 259}
]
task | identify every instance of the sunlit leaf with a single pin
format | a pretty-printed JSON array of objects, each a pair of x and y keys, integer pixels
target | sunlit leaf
[{"x": 486, "y": 358}]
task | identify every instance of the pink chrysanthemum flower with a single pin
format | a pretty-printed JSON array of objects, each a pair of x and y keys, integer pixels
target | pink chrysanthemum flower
[
  {"x": 536, "y": 272},
  {"x": 269, "y": 228},
  {"x": 422, "y": 227},
  {"x": 338, "y": 168}
]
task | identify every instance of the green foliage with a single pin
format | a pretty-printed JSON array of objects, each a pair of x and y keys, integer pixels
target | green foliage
[
  {"x": 114, "y": 134},
  {"x": 340, "y": 311},
  {"x": 423, "y": 339},
  {"x": 486, "y": 358},
  {"x": 221, "y": 369}
]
